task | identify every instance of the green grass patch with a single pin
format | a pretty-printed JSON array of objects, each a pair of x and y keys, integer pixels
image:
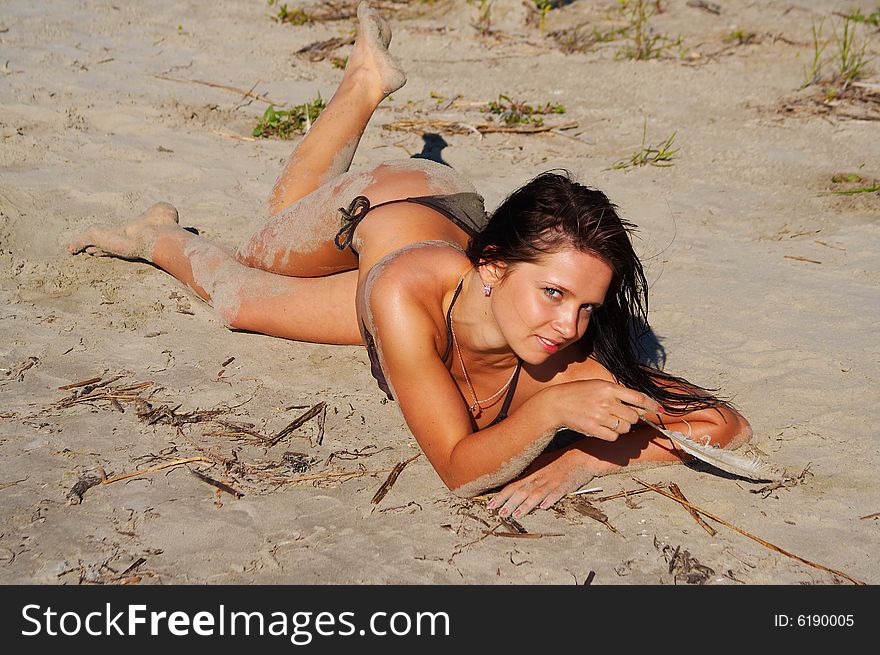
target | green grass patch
[
  {"x": 286, "y": 123},
  {"x": 545, "y": 6},
  {"x": 853, "y": 184},
  {"x": 644, "y": 43},
  {"x": 293, "y": 16},
  {"x": 584, "y": 37},
  {"x": 847, "y": 64},
  {"x": 742, "y": 37},
  {"x": 482, "y": 22},
  {"x": 864, "y": 189},
  {"x": 871, "y": 19},
  {"x": 654, "y": 155},
  {"x": 511, "y": 112}
]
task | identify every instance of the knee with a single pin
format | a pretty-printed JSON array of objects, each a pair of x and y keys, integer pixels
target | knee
[{"x": 226, "y": 301}]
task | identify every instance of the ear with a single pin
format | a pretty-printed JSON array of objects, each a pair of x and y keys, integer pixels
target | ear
[{"x": 492, "y": 272}]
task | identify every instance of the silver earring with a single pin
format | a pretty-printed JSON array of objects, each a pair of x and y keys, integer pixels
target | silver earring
[{"x": 487, "y": 289}]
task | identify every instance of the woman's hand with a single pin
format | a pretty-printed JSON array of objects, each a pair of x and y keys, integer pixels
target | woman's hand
[
  {"x": 599, "y": 408},
  {"x": 552, "y": 476}
]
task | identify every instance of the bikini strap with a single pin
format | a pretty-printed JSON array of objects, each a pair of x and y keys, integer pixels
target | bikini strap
[
  {"x": 449, "y": 317},
  {"x": 509, "y": 397}
]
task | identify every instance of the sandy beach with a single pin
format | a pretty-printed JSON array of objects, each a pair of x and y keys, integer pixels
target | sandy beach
[{"x": 764, "y": 283}]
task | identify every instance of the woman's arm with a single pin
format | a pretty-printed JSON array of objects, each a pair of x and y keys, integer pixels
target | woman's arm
[{"x": 555, "y": 474}]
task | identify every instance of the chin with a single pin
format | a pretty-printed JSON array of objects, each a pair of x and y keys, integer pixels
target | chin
[{"x": 533, "y": 357}]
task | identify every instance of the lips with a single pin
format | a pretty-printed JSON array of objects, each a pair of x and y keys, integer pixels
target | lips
[{"x": 548, "y": 345}]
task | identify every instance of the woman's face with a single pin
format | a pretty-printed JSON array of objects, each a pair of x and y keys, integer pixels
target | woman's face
[{"x": 544, "y": 306}]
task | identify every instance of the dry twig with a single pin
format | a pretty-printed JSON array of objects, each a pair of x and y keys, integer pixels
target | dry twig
[
  {"x": 85, "y": 482},
  {"x": 329, "y": 475},
  {"x": 391, "y": 479},
  {"x": 321, "y": 50},
  {"x": 81, "y": 383},
  {"x": 459, "y": 127},
  {"x": 152, "y": 469},
  {"x": 678, "y": 494},
  {"x": 214, "y": 85},
  {"x": 521, "y": 535},
  {"x": 683, "y": 565},
  {"x": 297, "y": 422},
  {"x": 622, "y": 494},
  {"x": 586, "y": 508},
  {"x": 222, "y": 486}
]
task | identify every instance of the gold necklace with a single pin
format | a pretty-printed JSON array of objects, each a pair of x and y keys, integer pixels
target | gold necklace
[{"x": 478, "y": 405}]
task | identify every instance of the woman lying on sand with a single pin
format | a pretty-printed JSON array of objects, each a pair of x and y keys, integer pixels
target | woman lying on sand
[{"x": 491, "y": 333}]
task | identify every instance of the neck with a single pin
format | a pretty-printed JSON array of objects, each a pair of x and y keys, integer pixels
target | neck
[{"x": 476, "y": 329}]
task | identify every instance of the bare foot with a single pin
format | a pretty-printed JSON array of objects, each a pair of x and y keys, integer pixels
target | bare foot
[
  {"x": 370, "y": 60},
  {"x": 134, "y": 240}
]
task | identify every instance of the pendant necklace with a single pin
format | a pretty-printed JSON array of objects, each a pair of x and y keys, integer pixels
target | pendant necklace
[{"x": 477, "y": 407}]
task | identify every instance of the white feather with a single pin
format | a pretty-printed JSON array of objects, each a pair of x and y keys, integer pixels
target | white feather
[{"x": 726, "y": 460}]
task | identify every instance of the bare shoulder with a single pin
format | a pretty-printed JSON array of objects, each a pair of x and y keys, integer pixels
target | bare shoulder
[
  {"x": 406, "y": 292},
  {"x": 421, "y": 274}
]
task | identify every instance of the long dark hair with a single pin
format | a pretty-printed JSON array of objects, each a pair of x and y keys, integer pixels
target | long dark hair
[{"x": 553, "y": 212}]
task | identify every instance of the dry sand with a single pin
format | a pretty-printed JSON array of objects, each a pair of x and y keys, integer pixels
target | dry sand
[{"x": 760, "y": 286}]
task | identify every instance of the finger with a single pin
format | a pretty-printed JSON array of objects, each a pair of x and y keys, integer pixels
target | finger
[
  {"x": 516, "y": 499},
  {"x": 659, "y": 418},
  {"x": 640, "y": 401},
  {"x": 531, "y": 502},
  {"x": 501, "y": 497},
  {"x": 552, "y": 498},
  {"x": 625, "y": 413},
  {"x": 604, "y": 433},
  {"x": 621, "y": 427}
]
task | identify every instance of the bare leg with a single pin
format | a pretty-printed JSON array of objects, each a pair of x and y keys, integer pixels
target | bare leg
[
  {"x": 133, "y": 241},
  {"x": 328, "y": 148},
  {"x": 298, "y": 241},
  {"x": 321, "y": 310},
  {"x": 309, "y": 309},
  {"x": 297, "y": 238}
]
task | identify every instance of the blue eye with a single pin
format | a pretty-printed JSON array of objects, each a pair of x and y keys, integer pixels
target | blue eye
[{"x": 550, "y": 292}]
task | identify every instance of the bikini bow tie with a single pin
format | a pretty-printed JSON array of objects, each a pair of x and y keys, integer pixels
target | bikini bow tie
[{"x": 355, "y": 213}]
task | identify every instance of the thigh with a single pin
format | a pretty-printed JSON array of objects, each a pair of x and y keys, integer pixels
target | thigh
[
  {"x": 299, "y": 239},
  {"x": 319, "y": 310}
]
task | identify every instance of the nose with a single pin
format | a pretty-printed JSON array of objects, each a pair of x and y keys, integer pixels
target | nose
[{"x": 566, "y": 325}]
